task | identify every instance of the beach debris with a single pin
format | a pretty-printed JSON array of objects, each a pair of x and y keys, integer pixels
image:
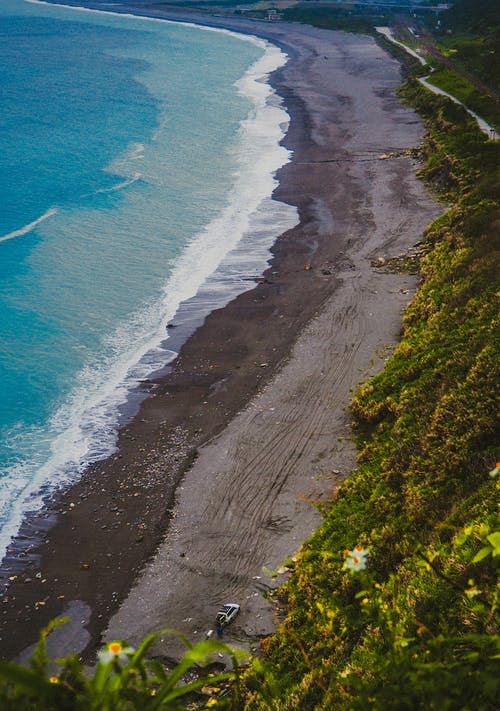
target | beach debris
[
  {"x": 210, "y": 690},
  {"x": 308, "y": 267},
  {"x": 85, "y": 566},
  {"x": 407, "y": 263}
]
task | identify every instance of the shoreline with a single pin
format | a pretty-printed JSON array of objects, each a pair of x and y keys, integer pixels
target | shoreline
[
  {"x": 196, "y": 285},
  {"x": 106, "y": 534}
]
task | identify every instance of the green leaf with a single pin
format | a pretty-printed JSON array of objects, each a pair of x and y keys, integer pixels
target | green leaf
[
  {"x": 40, "y": 659},
  {"x": 27, "y": 680},
  {"x": 362, "y": 593},
  {"x": 139, "y": 655},
  {"x": 494, "y": 539},
  {"x": 481, "y": 554},
  {"x": 101, "y": 675},
  {"x": 158, "y": 670},
  {"x": 196, "y": 655}
]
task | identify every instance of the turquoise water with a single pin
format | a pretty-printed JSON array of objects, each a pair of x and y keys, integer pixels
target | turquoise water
[{"x": 137, "y": 160}]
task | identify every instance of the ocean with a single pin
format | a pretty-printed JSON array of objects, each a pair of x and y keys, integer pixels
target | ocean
[{"x": 137, "y": 163}]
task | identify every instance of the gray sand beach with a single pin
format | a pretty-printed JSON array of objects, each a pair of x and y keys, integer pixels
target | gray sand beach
[{"x": 217, "y": 476}]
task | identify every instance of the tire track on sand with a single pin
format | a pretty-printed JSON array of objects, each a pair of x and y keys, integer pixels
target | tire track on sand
[{"x": 244, "y": 504}]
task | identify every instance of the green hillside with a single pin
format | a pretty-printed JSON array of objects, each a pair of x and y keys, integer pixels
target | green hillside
[{"x": 409, "y": 618}]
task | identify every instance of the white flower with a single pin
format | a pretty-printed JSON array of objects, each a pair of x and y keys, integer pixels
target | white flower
[
  {"x": 494, "y": 472},
  {"x": 115, "y": 650},
  {"x": 356, "y": 559}
]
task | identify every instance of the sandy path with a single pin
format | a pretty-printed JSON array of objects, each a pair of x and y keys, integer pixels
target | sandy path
[{"x": 243, "y": 504}]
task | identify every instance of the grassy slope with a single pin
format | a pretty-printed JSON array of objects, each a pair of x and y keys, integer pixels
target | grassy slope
[
  {"x": 417, "y": 628},
  {"x": 469, "y": 39},
  {"x": 483, "y": 104},
  {"x": 473, "y": 38}
]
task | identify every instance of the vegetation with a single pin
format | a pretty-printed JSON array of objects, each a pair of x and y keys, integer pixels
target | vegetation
[
  {"x": 359, "y": 19},
  {"x": 469, "y": 40},
  {"x": 122, "y": 680},
  {"x": 409, "y": 620},
  {"x": 474, "y": 53},
  {"x": 477, "y": 17},
  {"x": 467, "y": 37},
  {"x": 483, "y": 104}
]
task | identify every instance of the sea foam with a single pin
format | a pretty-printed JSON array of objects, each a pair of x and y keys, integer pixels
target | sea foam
[
  {"x": 29, "y": 227},
  {"x": 210, "y": 271}
]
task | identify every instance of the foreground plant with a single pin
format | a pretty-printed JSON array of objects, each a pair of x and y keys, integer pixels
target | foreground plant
[
  {"x": 122, "y": 680},
  {"x": 411, "y": 651}
]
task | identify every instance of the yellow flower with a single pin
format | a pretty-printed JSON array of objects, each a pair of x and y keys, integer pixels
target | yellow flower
[{"x": 54, "y": 680}]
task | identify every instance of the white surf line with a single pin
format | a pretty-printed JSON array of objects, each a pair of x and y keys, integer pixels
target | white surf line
[
  {"x": 124, "y": 184},
  {"x": 253, "y": 39},
  {"x": 485, "y": 127},
  {"x": 28, "y": 228}
]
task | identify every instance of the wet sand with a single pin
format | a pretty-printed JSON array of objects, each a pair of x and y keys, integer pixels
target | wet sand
[{"x": 215, "y": 476}]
